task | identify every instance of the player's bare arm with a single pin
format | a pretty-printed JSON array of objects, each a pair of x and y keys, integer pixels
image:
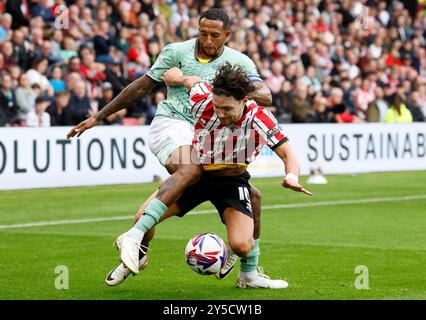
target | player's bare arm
[
  {"x": 133, "y": 92},
  {"x": 262, "y": 95},
  {"x": 292, "y": 168},
  {"x": 175, "y": 77}
]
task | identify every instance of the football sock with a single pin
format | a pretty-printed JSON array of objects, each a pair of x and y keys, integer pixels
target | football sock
[
  {"x": 135, "y": 233},
  {"x": 153, "y": 212},
  {"x": 249, "y": 263}
]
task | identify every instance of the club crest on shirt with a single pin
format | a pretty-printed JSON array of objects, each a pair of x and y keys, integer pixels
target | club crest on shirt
[{"x": 235, "y": 130}]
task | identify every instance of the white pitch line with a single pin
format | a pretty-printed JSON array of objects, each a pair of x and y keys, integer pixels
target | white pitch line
[{"x": 270, "y": 207}]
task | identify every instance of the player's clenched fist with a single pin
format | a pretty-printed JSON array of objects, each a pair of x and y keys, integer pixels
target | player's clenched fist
[{"x": 173, "y": 77}]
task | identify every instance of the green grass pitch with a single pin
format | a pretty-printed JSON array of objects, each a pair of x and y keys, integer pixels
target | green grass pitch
[{"x": 316, "y": 248}]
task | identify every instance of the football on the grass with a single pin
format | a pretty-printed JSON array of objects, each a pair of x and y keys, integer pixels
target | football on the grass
[{"x": 206, "y": 253}]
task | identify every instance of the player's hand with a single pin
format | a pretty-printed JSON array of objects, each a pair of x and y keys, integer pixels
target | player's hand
[
  {"x": 295, "y": 186},
  {"x": 83, "y": 126},
  {"x": 173, "y": 77}
]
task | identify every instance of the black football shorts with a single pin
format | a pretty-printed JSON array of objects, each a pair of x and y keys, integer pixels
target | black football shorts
[{"x": 222, "y": 191}]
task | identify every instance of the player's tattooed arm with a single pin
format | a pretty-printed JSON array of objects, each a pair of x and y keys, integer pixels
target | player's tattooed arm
[
  {"x": 133, "y": 92},
  {"x": 262, "y": 95}
]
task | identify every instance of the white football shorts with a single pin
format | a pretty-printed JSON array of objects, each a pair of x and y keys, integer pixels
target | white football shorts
[{"x": 167, "y": 134}]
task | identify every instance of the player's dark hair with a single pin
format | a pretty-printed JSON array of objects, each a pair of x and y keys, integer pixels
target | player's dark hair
[
  {"x": 216, "y": 14},
  {"x": 232, "y": 81}
]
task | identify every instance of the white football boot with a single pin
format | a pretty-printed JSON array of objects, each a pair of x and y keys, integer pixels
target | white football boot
[
  {"x": 228, "y": 266},
  {"x": 121, "y": 272},
  {"x": 129, "y": 250},
  {"x": 261, "y": 280}
]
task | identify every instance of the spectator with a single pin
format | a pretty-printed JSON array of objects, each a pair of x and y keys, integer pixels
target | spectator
[
  {"x": 320, "y": 112},
  {"x": 79, "y": 104},
  {"x": 56, "y": 81},
  {"x": 157, "y": 97},
  {"x": 377, "y": 109},
  {"x": 19, "y": 10},
  {"x": 15, "y": 72},
  {"x": 39, "y": 117},
  {"x": 57, "y": 38},
  {"x": 38, "y": 75},
  {"x": 103, "y": 43},
  {"x": 42, "y": 9},
  {"x": 5, "y": 26},
  {"x": 415, "y": 106},
  {"x": 45, "y": 51},
  {"x": 59, "y": 112},
  {"x": 25, "y": 97},
  {"x": 310, "y": 79},
  {"x": 115, "y": 76},
  {"x": 91, "y": 70},
  {"x": 363, "y": 96},
  {"x": 69, "y": 49},
  {"x": 139, "y": 60},
  {"x": 283, "y": 108},
  {"x": 275, "y": 80},
  {"x": 340, "y": 111},
  {"x": 300, "y": 105},
  {"x": 398, "y": 111},
  {"x": 106, "y": 97},
  {"x": 8, "y": 56},
  {"x": 8, "y": 107}
]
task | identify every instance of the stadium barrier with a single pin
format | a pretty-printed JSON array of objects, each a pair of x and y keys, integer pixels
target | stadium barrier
[{"x": 43, "y": 157}]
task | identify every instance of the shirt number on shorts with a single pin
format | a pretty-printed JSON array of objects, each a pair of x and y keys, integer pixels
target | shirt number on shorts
[{"x": 245, "y": 196}]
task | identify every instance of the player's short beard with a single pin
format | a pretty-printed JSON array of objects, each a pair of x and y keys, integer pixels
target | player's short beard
[{"x": 217, "y": 54}]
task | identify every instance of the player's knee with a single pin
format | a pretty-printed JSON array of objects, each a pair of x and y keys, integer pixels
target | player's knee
[{"x": 242, "y": 248}]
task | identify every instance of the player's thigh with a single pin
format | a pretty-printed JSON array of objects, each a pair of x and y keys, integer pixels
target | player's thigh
[
  {"x": 184, "y": 158},
  {"x": 166, "y": 135},
  {"x": 239, "y": 228},
  {"x": 193, "y": 196}
]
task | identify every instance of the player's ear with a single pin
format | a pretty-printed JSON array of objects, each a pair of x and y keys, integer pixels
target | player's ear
[{"x": 227, "y": 34}]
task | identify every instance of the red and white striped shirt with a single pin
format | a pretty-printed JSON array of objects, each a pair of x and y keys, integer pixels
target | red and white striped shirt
[{"x": 236, "y": 144}]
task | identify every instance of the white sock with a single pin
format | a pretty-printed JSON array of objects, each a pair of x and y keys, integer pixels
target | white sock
[
  {"x": 248, "y": 276},
  {"x": 135, "y": 233}
]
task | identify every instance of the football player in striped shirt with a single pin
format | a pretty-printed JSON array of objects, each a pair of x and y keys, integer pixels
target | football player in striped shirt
[
  {"x": 172, "y": 130},
  {"x": 230, "y": 130}
]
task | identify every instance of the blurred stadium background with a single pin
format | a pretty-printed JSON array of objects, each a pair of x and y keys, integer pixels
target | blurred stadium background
[{"x": 348, "y": 80}]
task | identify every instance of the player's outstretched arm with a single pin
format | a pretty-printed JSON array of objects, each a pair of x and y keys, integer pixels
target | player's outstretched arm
[
  {"x": 175, "y": 77},
  {"x": 262, "y": 95},
  {"x": 292, "y": 168},
  {"x": 134, "y": 91}
]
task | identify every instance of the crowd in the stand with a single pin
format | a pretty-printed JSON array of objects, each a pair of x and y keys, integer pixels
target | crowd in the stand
[{"x": 324, "y": 60}]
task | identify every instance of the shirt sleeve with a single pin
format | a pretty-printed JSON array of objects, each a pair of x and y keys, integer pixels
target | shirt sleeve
[
  {"x": 164, "y": 62},
  {"x": 250, "y": 68},
  {"x": 200, "y": 95},
  {"x": 268, "y": 128}
]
